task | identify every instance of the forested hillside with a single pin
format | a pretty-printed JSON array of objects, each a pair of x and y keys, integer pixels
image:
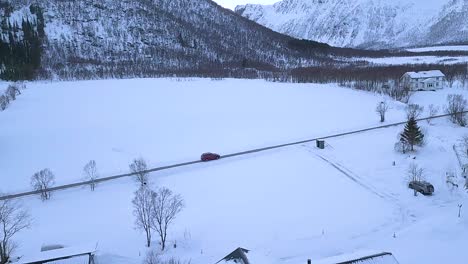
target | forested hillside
[{"x": 106, "y": 38}]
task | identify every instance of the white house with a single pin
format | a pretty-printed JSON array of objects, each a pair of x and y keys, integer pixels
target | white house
[{"x": 424, "y": 80}]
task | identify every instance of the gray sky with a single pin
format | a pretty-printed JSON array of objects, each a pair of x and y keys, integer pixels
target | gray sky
[{"x": 233, "y": 3}]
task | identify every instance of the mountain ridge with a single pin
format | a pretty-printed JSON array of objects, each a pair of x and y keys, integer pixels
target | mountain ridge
[{"x": 371, "y": 24}]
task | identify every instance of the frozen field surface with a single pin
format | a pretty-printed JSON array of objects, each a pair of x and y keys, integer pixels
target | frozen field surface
[
  {"x": 286, "y": 205},
  {"x": 441, "y": 48},
  {"x": 418, "y": 60},
  {"x": 62, "y": 125}
]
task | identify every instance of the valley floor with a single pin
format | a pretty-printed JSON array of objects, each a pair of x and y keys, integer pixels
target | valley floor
[{"x": 286, "y": 205}]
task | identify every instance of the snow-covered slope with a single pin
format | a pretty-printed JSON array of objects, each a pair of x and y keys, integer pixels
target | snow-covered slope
[{"x": 365, "y": 23}]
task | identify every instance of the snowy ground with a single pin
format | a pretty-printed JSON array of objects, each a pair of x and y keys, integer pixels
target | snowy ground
[
  {"x": 418, "y": 60},
  {"x": 165, "y": 121},
  {"x": 286, "y": 205},
  {"x": 441, "y": 48}
]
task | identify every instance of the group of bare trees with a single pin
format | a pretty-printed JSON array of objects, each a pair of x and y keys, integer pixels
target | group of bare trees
[
  {"x": 456, "y": 107},
  {"x": 43, "y": 180},
  {"x": 155, "y": 211},
  {"x": 10, "y": 95},
  {"x": 13, "y": 219},
  {"x": 415, "y": 173}
]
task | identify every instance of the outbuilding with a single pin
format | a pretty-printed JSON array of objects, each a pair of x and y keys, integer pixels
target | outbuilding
[{"x": 66, "y": 255}]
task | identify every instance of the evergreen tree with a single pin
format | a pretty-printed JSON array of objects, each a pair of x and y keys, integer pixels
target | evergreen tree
[{"x": 412, "y": 134}]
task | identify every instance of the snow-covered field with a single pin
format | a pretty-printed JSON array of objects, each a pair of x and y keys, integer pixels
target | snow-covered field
[
  {"x": 441, "y": 48},
  {"x": 286, "y": 205},
  {"x": 418, "y": 60}
]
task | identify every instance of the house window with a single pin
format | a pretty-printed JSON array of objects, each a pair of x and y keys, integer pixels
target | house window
[
  {"x": 416, "y": 85},
  {"x": 430, "y": 85},
  {"x": 437, "y": 84}
]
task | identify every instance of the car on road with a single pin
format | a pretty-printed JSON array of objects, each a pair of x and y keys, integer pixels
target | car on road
[
  {"x": 210, "y": 156},
  {"x": 422, "y": 187}
]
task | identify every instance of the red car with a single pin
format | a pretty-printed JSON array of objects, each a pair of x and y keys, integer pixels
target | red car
[{"x": 210, "y": 156}]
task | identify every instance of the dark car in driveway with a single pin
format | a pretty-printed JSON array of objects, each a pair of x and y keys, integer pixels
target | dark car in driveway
[
  {"x": 422, "y": 187},
  {"x": 210, "y": 156}
]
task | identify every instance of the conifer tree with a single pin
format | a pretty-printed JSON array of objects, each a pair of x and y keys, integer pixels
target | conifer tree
[{"x": 412, "y": 134}]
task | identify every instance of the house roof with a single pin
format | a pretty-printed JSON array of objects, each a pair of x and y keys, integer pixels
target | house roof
[
  {"x": 429, "y": 80},
  {"x": 426, "y": 74},
  {"x": 238, "y": 254},
  {"x": 360, "y": 258},
  {"x": 58, "y": 254}
]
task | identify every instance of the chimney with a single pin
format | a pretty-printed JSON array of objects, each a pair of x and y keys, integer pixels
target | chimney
[{"x": 309, "y": 261}]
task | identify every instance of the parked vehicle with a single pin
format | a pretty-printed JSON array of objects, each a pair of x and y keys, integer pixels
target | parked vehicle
[
  {"x": 422, "y": 187},
  {"x": 210, "y": 156}
]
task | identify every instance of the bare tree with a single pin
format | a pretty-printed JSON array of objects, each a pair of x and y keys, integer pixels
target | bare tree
[
  {"x": 414, "y": 111},
  {"x": 41, "y": 181},
  {"x": 433, "y": 111},
  {"x": 139, "y": 168},
  {"x": 382, "y": 109},
  {"x": 166, "y": 207},
  {"x": 91, "y": 173},
  {"x": 4, "y": 101},
  {"x": 143, "y": 205},
  {"x": 13, "y": 219},
  {"x": 415, "y": 173},
  {"x": 401, "y": 91},
  {"x": 456, "y": 107}
]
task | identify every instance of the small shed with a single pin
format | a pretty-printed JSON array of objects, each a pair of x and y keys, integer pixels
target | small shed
[
  {"x": 66, "y": 255},
  {"x": 320, "y": 143}
]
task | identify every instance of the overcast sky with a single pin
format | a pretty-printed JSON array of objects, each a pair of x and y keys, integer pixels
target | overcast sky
[{"x": 233, "y": 3}]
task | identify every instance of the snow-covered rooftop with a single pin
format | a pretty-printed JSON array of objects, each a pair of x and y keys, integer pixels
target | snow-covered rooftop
[
  {"x": 58, "y": 254},
  {"x": 368, "y": 257},
  {"x": 426, "y": 74}
]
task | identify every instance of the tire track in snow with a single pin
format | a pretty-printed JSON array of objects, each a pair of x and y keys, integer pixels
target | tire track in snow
[{"x": 403, "y": 212}]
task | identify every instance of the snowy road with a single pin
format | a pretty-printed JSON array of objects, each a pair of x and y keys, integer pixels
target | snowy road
[{"x": 189, "y": 163}]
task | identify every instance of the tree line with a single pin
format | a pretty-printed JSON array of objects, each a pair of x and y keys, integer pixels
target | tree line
[{"x": 21, "y": 46}]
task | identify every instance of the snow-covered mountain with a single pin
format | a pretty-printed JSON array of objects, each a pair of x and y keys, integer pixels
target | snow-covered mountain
[
  {"x": 366, "y": 23},
  {"x": 83, "y": 38}
]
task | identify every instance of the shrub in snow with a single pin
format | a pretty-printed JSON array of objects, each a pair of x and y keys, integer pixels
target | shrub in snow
[
  {"x": 152, "y": 257},
  {"x": 402, "y": 147},
  {"x": 139, "y": 168},
  {"x": 465, "y": 145},
  {"x": 456, "y": 106},
  {"x": 413, "y": 111},
  {"x": 41, "y": 181},
  {"x": 12, "y": 91},
  {"x": 433, "y": 111}
]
